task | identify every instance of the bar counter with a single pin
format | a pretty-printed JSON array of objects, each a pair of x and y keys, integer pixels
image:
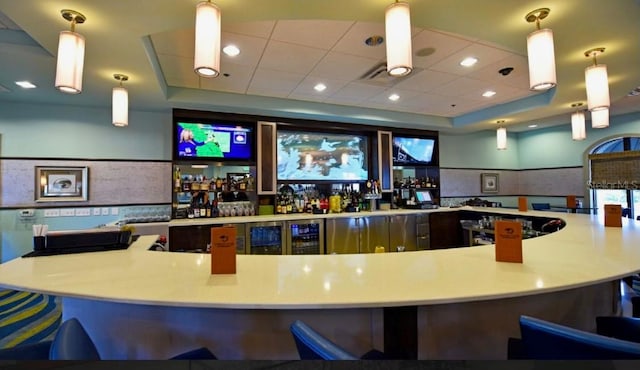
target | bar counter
[{"x": 141, "y": 304}]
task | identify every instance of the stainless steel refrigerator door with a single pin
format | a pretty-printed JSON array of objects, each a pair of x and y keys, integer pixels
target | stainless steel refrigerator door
[
  {"x": 305, "y": 237},
  {"x": 402, "y": 231},
  {"x": 266, "y": 237},
  {"x": 374, "y": 231},
  {"x": 423, "y": 232},
  {"x": 342, "y": 235}
]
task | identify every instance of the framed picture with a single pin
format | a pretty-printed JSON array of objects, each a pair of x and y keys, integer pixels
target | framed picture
[
  {"x": 61, "y": 184},
  {"x": 489, "y": 182}
]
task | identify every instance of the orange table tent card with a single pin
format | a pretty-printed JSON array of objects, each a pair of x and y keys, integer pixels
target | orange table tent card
[
  {"x": 571, "y": 201},
  {"x": 223, "y": 250},
  {"x": 508, "y": 241},
  {"x": 522, "y": 204},
  {"x": 613, "y": 215}
]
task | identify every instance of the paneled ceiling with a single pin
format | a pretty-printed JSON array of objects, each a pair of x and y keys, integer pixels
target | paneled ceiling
[{"x": 288, "y": 46}]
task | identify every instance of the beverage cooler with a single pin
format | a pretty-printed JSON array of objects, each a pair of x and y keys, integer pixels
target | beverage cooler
[
  {"x": 266, "y": 237},
  {"x": 305, "y": 237}
]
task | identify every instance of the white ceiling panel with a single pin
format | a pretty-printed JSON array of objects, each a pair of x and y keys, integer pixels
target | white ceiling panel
[
  {"x": 486, "y": 55},
  {"x": 314, "y": 33},
  {"x": 353, "y": 42},
  {"x": 297, "y": 59},
  {"x": 277, "y": 83},
  {"x": 425, "y": 81},
  {"x": 430, "y": 47},
  {"x": 343, "y": 66},
  {"x": 262, "y": 29},
  {"x": 237, "y": 80}
]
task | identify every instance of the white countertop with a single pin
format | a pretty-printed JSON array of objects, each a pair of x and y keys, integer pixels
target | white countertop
[{"x": 583, "y": 253}]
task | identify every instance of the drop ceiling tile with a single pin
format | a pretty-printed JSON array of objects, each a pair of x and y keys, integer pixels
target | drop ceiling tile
[
  {"x": 262, "y": 29},
  {"x": 306, "y": 87},
  {"x": 276, "y": 83},
  {"x": 353, "y": 42},
  {"x": 356, "y": 92},
  {"x": 382, "y": 99},
  {"x": 296, "y": 59},
  {"x": 425, "y": 80},
  {"x": 463, "y": 86},
  {"x": 430, "y": 47},
  {"x": 251, "y": 49},
  {"x": 490, "y": 72},
  {"x": 320, "y": 34},
  {"x": 236, "y": 82},
  {"x": 343, "y": 66},
  {"x": 503, "y": 94},
  {"x": 486, "y": 55}
]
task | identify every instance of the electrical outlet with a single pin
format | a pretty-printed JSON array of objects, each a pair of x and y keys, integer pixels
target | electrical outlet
[
  {"x": 83, "y": 212},
  {"x": 26, "y": 213},
  {"x": 51, "y": 213},
  {"x": 105, "y": 211},
  {"x": 114, "y": 211},
  {"x": 96, "y": 211},
  {"x": 67, "y": 212}
]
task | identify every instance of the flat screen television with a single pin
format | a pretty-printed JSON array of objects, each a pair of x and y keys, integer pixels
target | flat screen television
[
  {"x": 213, "y": 141},
  {"x": 322, "y": 156},
  {"x": 413, "y": 150}
]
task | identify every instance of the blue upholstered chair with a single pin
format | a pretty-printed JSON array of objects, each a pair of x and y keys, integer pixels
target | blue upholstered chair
[
  {"x": 73, "y": 343},
  {"x": 312, "y": 345},
  {"x": 620, "y": 327},
  {"x": 543, "y": 340}
]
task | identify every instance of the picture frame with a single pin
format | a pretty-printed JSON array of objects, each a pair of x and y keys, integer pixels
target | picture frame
[
  {"x": 489, "y": 183},
  {"x": 61, "y": 184}
]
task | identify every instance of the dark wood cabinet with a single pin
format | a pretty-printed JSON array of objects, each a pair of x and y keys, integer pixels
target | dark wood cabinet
[{"x": 445, "y": 230}]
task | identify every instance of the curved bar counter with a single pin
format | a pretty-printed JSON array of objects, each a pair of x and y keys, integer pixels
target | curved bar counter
[{"x": 143, "y": 304}]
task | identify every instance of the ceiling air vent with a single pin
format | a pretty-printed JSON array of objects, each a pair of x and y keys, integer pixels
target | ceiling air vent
[{"x": 378, "y": 76}]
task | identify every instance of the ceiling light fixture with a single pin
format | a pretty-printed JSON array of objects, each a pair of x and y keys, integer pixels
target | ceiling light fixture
[
  {"x": 501, "y": 136},
  {"x": 70, "y": 61},
  {"x": 469, "y": 61},
  {"x": 394, "y": 97},
  {"x": 578, "y": 130},
  {"x": 540, "y": 51},
  {"x": 600, "y": 118},
  {"x": 488, "y": 93},
  {"x": 120, "y": 102},
  {"x": 397, "y": 23},
  {"x": 320, "y": 87},
  {"x": 26, "y": 84},
  {"x": 231, "y": 50},
  {"x": 597, "y": 82},
  {"x": 206, "y": 62},
  {"x": 532, "y": 126}
]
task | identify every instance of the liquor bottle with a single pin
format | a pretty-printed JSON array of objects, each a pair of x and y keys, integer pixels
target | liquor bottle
[
  {"x": 177, "y": 180},
  {"x": 203, "y": 210},
  {"x": 208, "y": 209}
]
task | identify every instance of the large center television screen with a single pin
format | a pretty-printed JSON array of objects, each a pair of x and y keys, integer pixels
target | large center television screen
[
  {"x": 218, "y": 141},
  {"x": 321, "y": 156},
  {"x": 413, "y": 150}
]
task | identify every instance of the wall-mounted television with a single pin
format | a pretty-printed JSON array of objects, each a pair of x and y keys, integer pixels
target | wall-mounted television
[
  {"x": 213, "y": 141},
  {"x": 322, "y": 156},
  {"x": 413, "y": 151}
]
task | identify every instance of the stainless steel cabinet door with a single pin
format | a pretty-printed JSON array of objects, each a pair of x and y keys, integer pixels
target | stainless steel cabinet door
[
  {"x": 342, "y": 235},
  {"x": 402, "y": 231},
  {"x": 374, "y": 231}
]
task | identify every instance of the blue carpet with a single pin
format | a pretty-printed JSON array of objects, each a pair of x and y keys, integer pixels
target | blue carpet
[{"x": 27, "y": 318}]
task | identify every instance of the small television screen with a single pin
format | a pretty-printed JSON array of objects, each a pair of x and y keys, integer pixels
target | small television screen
[
  {"x": 423, "y": 196},
  {"x": 219, "y": 141},
  {"x": 413, "y": 150},
  {"x": 321, "y": 156}
]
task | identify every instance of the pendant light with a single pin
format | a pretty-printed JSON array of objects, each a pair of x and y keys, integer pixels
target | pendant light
[
  {"x": 70, "y": 61},
  {"x": 397, "y": 21},
  {"x": 501, "y": 137},
  {"x": 600, "y": 118},
  {"x": 597, "y": 82},
  {"x": 578, "y": 131},
  {"x": 540, "y": 51},
  {"x": 120, "y": 102},
  {"x": 206, "y": 61}
]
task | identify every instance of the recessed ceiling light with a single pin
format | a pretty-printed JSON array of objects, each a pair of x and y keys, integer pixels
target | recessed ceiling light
[
  {"x": 26, "y": 84},
  {"x": 532, "y": 126},
  {"x": 394, "y": 97},
  {"x": 231, "y": 50},
  {"x": 488, "y": 93},
  {"x": 469, "y": 61},
  {"x": 320, "y": 87}
]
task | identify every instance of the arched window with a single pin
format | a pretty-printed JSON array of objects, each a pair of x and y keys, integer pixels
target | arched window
[{"x": 615, "y": 174}]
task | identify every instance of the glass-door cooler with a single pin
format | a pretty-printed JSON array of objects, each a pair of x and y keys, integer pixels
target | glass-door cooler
[
  {"x": 266, "y": 237},
  {"x": 305, "y": 237}
]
